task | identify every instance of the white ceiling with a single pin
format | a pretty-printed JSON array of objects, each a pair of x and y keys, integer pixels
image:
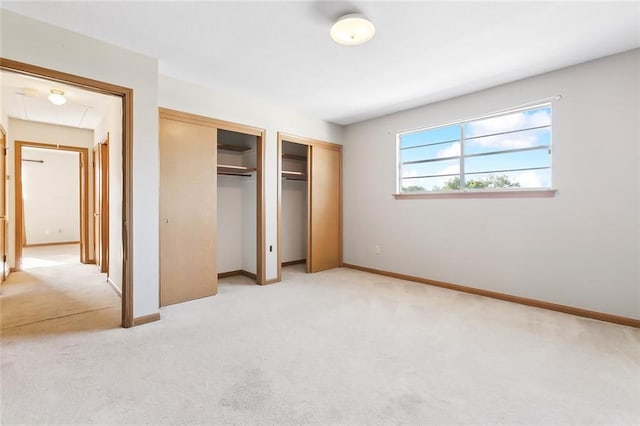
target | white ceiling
[
  {"x": 25, "y": 97},
  {"x": 422, "y": 51}
]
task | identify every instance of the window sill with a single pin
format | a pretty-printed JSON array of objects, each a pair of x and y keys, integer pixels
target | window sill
[{"x": 521, "y": 193}]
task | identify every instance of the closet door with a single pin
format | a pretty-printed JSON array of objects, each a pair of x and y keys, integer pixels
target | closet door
[
  {"x": 187, "y": 211},
  {"x": 325, "y": 209}
]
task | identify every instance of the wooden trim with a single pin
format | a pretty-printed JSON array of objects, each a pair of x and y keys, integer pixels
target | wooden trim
[
  {"x": 505, "y": 193},
  {"x": 294, "y": 262},
  {"x": 126, "y": 94},
  {"x": 104, "y": 205},
  {"x": 4, "y": 241},
  {"x": 308, "y": 141},
  {"x": 278, "y": 277},
  {"x": 601, "y": 316},
  {"x": 60, "y": 243},
  {"x": 115, "y": 287},
  {"x": 261, "y": 255},
  {"x": 145, "y": 319},
  {"x": 237, "y": 272},
  {"x": 230, "y": 273},
  {"x": 271, "y": 281},
  {"x": 83, "y": 170},
  {"x": 248, "y": 274},
  {"x": 201, "y": 120}
]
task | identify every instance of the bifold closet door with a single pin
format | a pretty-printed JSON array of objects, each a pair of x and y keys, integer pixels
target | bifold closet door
[
  {"x": 187, "y": 211},
  {"x": 325, "y": 207}
]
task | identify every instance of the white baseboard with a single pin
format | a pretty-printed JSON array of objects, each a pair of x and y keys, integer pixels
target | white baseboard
[{"x": 115, "y": 287}]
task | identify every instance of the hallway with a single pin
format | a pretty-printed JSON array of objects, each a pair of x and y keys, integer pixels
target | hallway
[{"x": 62, "y": 288}]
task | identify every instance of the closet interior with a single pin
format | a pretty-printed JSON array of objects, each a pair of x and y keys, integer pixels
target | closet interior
[
  {"x": 294, "y": 203},
  {"x": 211, "y": 208},
  {"x": 237, "y": 204}
]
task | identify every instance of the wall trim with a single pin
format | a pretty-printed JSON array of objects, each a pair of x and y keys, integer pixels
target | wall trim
[
  {"x": 60, "y": 243},
  {"x": 145, "y": 319},
  {"x": 294, "y": 262},
  {"x": 115, "y": 287},
  {"x": 237, "y": 272},
  {"x": 601, "y": 316}
]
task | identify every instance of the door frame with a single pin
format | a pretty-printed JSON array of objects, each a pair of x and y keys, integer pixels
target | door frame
[
  {"x": 83, "y": 189},
  {"x": 260, "y": 145},
  {"x": 126, "y": 94},
  {"x": 101, "y": 205},
  {"x": 310, "y": 143},
  {"x": 4, "y": 243}
]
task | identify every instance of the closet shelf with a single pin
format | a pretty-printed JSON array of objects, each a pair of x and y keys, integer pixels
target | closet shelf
[
  {"x": 230, "y": 170},
  {"x": 291, "y": 175},
  {"x": 294, "y": 157},
  {"x": 234, "y": 148}
]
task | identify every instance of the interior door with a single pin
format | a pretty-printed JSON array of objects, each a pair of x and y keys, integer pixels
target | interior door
[
  {"x": 325, "y": 209},
  {"x": 188, "y": 189},
  {"x": 3, "y": 205}
]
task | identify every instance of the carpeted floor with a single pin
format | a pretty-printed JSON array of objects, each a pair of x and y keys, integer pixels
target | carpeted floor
[
  {"x": 336, "y": 347},
  {"x": 50, "y": 255},
  {"x": 53, "y": 284}
]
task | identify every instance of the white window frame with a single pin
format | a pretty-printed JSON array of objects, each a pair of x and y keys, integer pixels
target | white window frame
[{"x": 463, "y": 189}]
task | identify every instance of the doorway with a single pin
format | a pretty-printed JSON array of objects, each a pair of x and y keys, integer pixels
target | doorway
[
  {"x": 323, "y": 162},
  {"x": 126, "y": 98},
  {"x": 51, "y": 213}
]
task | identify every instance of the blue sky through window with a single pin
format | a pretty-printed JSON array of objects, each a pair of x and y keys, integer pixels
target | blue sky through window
[{"x": 526, "y": 133}]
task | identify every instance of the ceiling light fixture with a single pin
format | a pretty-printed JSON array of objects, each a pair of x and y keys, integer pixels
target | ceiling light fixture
[
  {"x": 57, "y": 97},
  {"x": 352, "y": 29}
]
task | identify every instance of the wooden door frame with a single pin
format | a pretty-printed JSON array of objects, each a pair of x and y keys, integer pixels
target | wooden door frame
[
  {"x": 3, "y": 220},
  {"x": 126, "y": 94},
  {"x": 83, "y": 167},
  {"x": 260, "y": 143},
  {"x": 101, "y": 163},
  {"x": 310, "y": 143}
]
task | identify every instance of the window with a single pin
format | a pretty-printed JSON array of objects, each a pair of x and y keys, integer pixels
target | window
[{"x": 507, "y": 151}]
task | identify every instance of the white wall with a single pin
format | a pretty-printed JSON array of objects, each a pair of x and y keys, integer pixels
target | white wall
[
  {"x": 580, "y": 248},
  {"x": 30, "y": 41},
  {"x": 249, "y": 223},
  {"x": 30, "y": 131},
  {"x": 230, "y": 230},
  {"x": 51, "y": 193},
  {"x": 188, "y": 97},
  {"x": 294, "y": 220}
]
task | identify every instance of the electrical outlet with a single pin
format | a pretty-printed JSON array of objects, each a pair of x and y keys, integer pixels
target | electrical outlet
[{"x": 377, "y": 249}]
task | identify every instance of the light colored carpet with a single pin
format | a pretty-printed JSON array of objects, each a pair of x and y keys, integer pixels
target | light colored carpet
[
  {"x": 54, "y": 255},
  {"x": 337, "y": 347},
  {"x": 44, "y": 293}
]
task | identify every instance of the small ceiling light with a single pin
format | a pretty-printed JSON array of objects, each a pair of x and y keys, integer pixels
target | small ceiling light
[
  {"x": 57, "y": 97},
  {"x": 352, "y": 29}
]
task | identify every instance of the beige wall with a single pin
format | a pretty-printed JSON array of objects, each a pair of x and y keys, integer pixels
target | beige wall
[{"x": 580, "y": 248}]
